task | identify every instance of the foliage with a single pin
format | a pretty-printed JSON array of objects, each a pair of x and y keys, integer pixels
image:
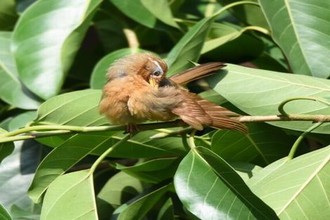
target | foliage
[{"x": 54, "y": 55}]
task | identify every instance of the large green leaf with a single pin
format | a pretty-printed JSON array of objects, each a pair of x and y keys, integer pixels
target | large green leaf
[
  {"x": 263, "y": 145},
  {"x": 71, "y": 196},
  {"x": 211, "y": 189},
  {"x": 45, "y": 40},
  {"x": 259, "y": 92},
  {"x": 297, "y": 188},
  {"x": 301, "y": 28},
  {"x": 12, "y": 90}
]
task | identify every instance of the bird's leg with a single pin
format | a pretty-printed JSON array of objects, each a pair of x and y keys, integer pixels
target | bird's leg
[{"x": 131, "y": 128}]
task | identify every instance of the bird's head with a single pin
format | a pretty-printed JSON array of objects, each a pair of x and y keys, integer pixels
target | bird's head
[{"x": 145, "y": 65}]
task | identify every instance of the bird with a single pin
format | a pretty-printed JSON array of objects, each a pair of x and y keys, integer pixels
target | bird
[{"x": 137, "y": 90}]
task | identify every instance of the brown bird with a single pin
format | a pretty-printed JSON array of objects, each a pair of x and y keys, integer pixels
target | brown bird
[{"x": 137, "y": 90}]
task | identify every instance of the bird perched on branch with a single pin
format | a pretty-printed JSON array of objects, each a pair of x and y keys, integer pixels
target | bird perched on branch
[{"x": 137, "y": 90}]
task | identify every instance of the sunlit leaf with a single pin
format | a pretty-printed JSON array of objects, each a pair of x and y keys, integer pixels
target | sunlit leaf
[
  {"x": 263, "y": 144},
  {"x": 45, "y": 40},
  {"x": 301, "y": 29},
  {"x": 211, "y": 189},
  {"x": 71, "y": 196},
  {"x": 12, "y": 90},
  {"x": 296, "y": 188},
  {"x": 259, "y": 92}
]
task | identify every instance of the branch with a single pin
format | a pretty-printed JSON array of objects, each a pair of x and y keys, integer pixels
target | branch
[
  {"x": 291, "y": 117},
  {"x": 37, "y": 131}
]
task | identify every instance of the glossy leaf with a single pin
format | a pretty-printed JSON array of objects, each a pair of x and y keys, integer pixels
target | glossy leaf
[
  {"x": 301, "y": 28},
  {"x": 140, "y": 206},
  {"x": 221, "y": 194},
  {"x": 16, "y": 174},
  {"x": 259, "y": 92},
  {"x": 98, "y": 78},
  {"x": 249, "y": 13},
  {"x": 43, "y": 59},
  {"x": 76, "y": 108},
  {"x": 71, "y": 196},
  {"x": 4, "y": 215},
  {"x": 189, "y": 47},
  {"x": 220, "y": 34},
  {"x": 161, "y": 10},
  {"x": 263, "y": 144},
  {"x": 12, "y": 90},
  {"x": 136, "y": 11},
  {"x": 296, "y": 188}
]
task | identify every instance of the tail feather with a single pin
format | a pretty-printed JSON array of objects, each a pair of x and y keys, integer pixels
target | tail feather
[{"x": 196, "y": 72}]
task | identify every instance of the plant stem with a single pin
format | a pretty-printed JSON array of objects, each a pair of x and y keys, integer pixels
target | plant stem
[
  {"x": 291, "y": 117},
  {"x": 107, "y": 152},
  {"x": 36, "y": 131},
  {"x": 299, "y": 139}
]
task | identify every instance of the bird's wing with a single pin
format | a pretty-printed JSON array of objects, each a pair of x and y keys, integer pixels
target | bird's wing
[{"x": 198, "y": 113}]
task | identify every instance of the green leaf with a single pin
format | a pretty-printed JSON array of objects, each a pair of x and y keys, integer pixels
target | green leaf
[
  {"x": 263, "y": 145},
  {"x": 259, "y": 92},
  {"x": 8, "y": 15},
  {"x": 4, "y": 215},
  {"x": 118, "y": 190},
  {"x": 5, "y": 148},
  {"x": 221, "y": 193},
  {"x": 189, "y": 47},
  {"x": 45, "y": 40},
  {"x": 98, "y": 78},
  {"x": 161, "y": 10},
  {"x": 248, "y": 13},
  {"x": 140, "y": 206},
  {"x": 220, "y": 34},
  {"x": 166, "y": 212},
  {"x": 78, "y": 108},
  {"x": 12, "y": 90},
  {"x": 301, "y": 28},
  {"x": 22, "y": 120},
  {"x": 136, "y": 11},
  {"x": 297, "y": 188},
  {"x": 153, "y": 171},
  {"x": 71, "y": 196}
]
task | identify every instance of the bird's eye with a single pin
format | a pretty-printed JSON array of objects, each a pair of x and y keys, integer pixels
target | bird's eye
[{"x": 157, "y": 73}]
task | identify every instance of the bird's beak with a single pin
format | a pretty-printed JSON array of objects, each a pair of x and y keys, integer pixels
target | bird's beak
[{"x": 153, "y": 82}]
